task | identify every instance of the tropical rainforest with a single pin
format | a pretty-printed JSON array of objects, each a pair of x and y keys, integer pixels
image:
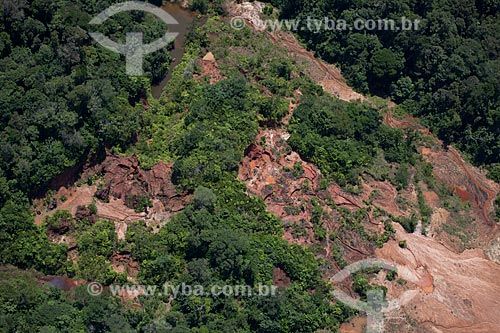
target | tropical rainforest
[
  {"x": 446, "y": 72},
  {"x": 66, "y": 102}
]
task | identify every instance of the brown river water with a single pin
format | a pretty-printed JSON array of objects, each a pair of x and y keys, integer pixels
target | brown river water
[{"x": 185, "y": 17}]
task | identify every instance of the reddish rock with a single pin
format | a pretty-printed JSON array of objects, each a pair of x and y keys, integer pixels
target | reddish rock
[
  {"x": 83, "y": 212},
  {"x": 125, "y": 178},
  {"x": 102, "y": 194},
  {"x": 280, "y": 279}
]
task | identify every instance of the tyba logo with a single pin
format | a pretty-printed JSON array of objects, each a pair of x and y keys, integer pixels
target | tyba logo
[{"x": 134, "y": 48}]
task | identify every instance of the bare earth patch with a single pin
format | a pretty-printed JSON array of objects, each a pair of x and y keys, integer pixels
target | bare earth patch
[{"x": 457, "y": 292}]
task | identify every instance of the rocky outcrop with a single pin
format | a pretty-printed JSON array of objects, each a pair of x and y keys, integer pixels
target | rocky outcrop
[
  {"x": 124, "y": 178},
  {"x": 457, "y": 292},
  {"x": 119, "y": 178},
  {"x": 286, "y": 182},
  {"x": 291, "y": 187},
  {"x": 83, "y": 212}
]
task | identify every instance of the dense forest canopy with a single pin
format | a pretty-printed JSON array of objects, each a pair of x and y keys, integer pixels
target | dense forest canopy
[
  {"x": 65, "y": 100},
  {"x": 447, "y": 72},
  {"x": 64, "y": 97},
  {"x": 343, "y": 139}
]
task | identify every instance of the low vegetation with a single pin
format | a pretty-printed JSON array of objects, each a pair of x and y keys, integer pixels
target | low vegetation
[{"x": 446, "y": 71}]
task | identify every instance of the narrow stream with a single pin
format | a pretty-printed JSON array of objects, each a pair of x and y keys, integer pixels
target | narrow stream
[{"x": 185, "y": 17}]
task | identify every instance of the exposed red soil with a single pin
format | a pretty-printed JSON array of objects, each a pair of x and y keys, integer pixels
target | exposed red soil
[
  {"x": 209, "y": 68},
  {"x": 470, "y": 183},
  {"x": 120, "y": 178},
  {"x": 123, "y": 177},
  {"x": 455, "y": 292},
  {"x": 386, "y": 198},
  {"x": 449, "y": 166},
  {"x": 268, "y": 172},
  {"x": 357, "y": 325},
  {"x": 270, "y": 169},
  {"x": 272, "y": 177},
  {"x": 480, "y": 191},
  {"x": 458, "y": 292},
  {"x": 76, "y": 196},
  {"x": 326, "y": 75},
  {"x": 431, "y": 198}
]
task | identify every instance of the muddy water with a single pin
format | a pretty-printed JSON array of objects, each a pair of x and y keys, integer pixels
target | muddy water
[
  {"x": 185, "y": 18},
  {"x": 61, "y": 282}
]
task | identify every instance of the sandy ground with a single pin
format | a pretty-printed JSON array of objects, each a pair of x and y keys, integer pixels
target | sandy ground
[{"x": 457, "y": 292}]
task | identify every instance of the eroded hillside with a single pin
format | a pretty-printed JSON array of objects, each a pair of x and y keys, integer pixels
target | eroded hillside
[
  {"x": 190, "y": 220},
  {"x": 459, "y": 289}
]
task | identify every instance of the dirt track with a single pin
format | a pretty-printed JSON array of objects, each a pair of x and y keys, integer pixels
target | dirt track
[
  {"x": 326, "y": 75},
  {"x": 458, "y": 293}
]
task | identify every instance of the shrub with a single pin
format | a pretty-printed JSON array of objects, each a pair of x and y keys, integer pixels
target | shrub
[
  {"x": 199, "y": 5},
  {"x": 139, "y": 203},
  {"x": 292, "y": 210},
  {"x": 391, "y": 276},
  {"x": 402, "y": 177},
  {"x": 60, "y": 222},
  {"x": 298, "y": 170},
  {"x": 409, "y": 224}
]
